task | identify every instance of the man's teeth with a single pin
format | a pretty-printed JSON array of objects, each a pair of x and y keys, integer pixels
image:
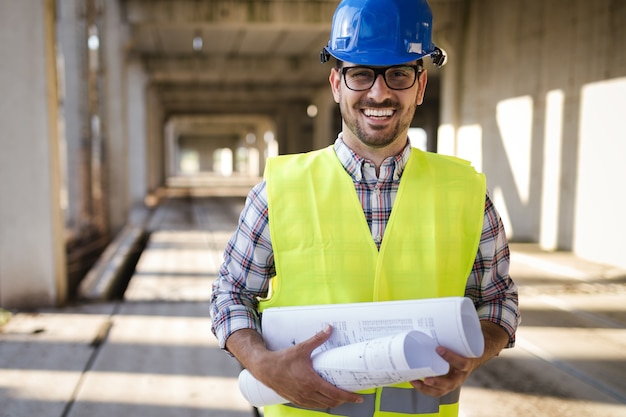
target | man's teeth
[{"x": 378, "y": 112}]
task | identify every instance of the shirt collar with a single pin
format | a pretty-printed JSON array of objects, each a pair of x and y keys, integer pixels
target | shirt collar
[{"x": 353, "y": 163}]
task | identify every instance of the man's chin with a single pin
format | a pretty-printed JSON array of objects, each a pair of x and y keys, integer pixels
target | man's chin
[{"x": 376, "y": 142}]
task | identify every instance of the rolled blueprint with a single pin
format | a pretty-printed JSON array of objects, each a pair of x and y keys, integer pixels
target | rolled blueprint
[
  {"x": 402, "y": 357},
  {"x": 405, "y": 327},
  {"x": 451, "y": 321}
]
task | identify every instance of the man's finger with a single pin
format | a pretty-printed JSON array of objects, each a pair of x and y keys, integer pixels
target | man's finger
[
  {"x": 456, "y": 361},
  {"x": 317, "y": 339}
]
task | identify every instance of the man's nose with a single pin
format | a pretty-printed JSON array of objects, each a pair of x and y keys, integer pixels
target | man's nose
[{"x": 380, "y": 86}]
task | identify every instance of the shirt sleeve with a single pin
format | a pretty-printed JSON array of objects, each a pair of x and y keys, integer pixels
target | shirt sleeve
[
  {"x": 489, "y": 285},
  {"x": 245, "y": 272}
]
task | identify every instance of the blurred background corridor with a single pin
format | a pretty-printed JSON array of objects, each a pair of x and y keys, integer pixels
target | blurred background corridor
[{"x": 132, "y": 130}]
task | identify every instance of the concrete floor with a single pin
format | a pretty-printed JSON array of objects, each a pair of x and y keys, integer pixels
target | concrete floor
[
  {"x": 570, "y": 357},
  {"x": 153, "y": 354}
]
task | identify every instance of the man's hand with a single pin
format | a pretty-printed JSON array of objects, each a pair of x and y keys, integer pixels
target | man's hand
[
  {"x": 289, "y": 372},
  {"x": 461, "y": 367}
]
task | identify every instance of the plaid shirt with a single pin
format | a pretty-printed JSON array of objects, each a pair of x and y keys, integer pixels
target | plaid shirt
[{"x": 249, "y": 259}]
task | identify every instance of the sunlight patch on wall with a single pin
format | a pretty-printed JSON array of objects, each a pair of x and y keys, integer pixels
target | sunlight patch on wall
[
  {"x": 551, "y": 196},
  {"x": 189, "y": 162},
  {"x": 515, "y": 121},
  {"x": 470, "y": 145},
  {"x": 272, "y": 144},
  {"x": 445, "y": 139},
  {"x": 418, "y": 138},
  {"x": 223, "y": 161},
  {"x": 497, "y": 196},
  {"x": 601, "y": 173}
]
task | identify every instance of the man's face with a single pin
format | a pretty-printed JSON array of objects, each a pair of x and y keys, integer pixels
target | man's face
[{"x": 378, "y": 116}]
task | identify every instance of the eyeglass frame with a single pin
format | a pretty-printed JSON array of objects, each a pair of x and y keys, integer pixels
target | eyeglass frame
[{"x": 381, "y": 71}]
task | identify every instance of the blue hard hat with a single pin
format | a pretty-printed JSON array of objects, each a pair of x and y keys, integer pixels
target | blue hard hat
[{"x": 382, "y": 32}]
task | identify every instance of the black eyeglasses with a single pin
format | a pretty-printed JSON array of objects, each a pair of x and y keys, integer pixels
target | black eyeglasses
[{"x": 397, "y": 77}]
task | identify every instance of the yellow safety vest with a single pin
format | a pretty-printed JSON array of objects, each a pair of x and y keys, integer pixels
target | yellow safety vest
[{"x": 324, "y": 252}]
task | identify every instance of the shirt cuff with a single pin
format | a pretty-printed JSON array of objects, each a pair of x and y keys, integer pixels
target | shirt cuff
[
  {"x": 505, "y": 315},
  {"x": 233, "y": 319}
]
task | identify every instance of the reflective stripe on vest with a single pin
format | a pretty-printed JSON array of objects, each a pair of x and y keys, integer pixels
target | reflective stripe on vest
[
  {"x": 324, "y": 252},
  {"x": 410, "y": 401},
  {"x": 393, "y": 400}
]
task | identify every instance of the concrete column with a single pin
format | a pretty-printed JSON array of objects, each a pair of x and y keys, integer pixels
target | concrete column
[
  {"x": 205, "y": 155},
  {"x": 253, "y": 162},
  {"x": 154, "y": 138},
  {"x": 451, "y": 37},
  {"x": 32, "y": 252},
  {"x": 323, "y": 134},
  {"x": 71, "y": 31},
  {"x": 136, "y": 158},
  {"x": 263, "y": 143},
  {"x": 113, "y": 40},
  {"x": 172, "y": 156},
  {"x": 292, "y": 135}
]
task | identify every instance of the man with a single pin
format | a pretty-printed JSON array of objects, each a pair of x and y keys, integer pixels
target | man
[{"x": 308, "y": 235}]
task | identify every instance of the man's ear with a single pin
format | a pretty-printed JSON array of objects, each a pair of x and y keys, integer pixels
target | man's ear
[
  {"x": 422, "y": 79},
  {"x": 335, "y": 83}
]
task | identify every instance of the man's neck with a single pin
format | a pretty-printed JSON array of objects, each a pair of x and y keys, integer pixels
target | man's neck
[{"x": 376, "y": 155}]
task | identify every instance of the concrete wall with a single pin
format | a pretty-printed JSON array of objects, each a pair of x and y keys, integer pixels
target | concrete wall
[
  {"x": 536, "y": 99},
  {"x": 32, "y": 261}
]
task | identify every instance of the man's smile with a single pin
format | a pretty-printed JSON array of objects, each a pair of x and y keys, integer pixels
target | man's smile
[{"x": 379, "y": 114}]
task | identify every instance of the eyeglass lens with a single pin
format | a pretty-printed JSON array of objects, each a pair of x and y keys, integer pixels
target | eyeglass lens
[{"x": 362, "y": 78}]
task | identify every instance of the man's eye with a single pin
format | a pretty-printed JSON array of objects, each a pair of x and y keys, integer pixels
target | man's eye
[
  {"x": 399, "y": 74},
  {"x": 361, "y": 74}
]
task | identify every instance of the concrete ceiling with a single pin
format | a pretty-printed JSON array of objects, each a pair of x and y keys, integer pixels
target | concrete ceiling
[{"x": 254, "y": 56}]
